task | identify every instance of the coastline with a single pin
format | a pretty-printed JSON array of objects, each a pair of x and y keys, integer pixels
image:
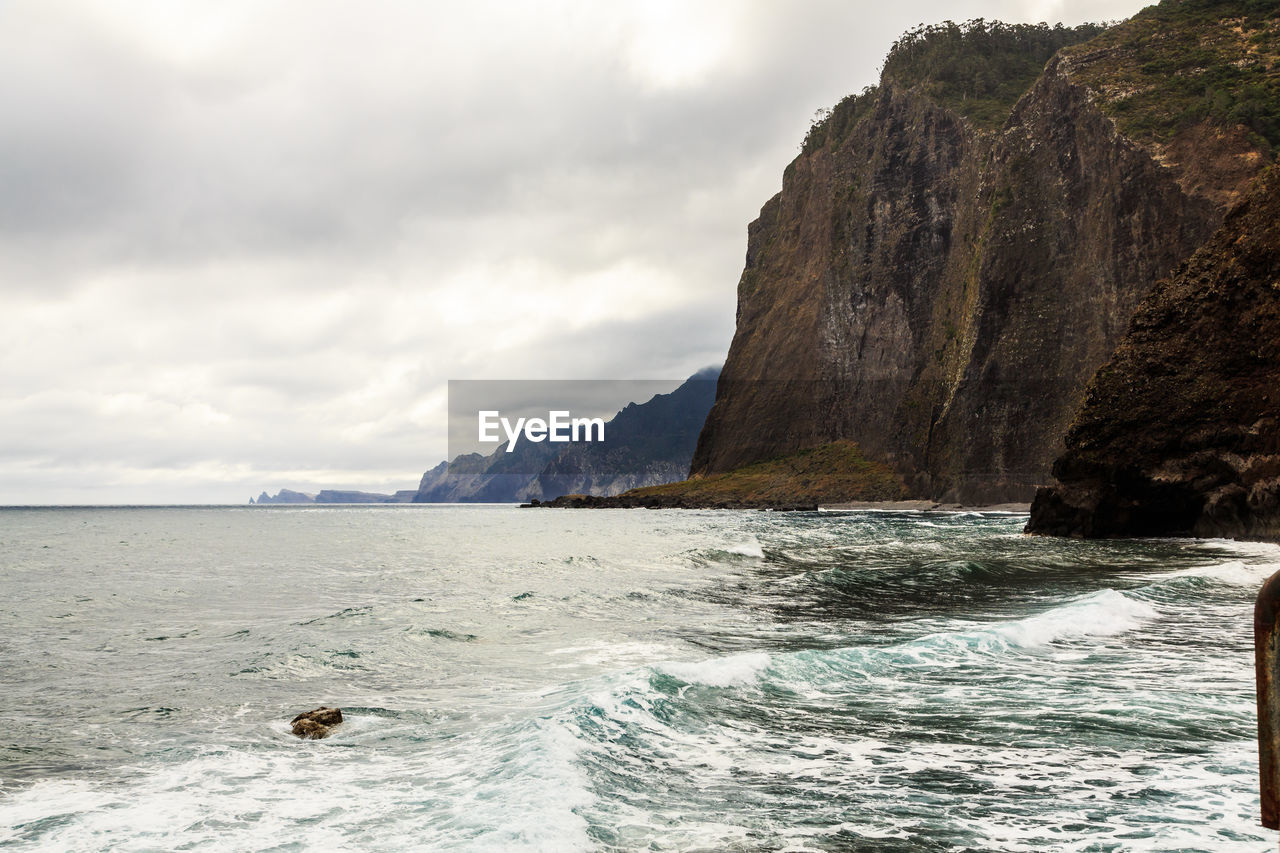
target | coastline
[
  {"x": 929, "y": 506},
  {"x": 650, "y": 501}
]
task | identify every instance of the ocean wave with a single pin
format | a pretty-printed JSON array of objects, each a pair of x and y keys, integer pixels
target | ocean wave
[
  {"x": 1266, "y": 552},
  {"x": 446, "y": 634},
  {"x": 731, "y": 552},
  {"x": 860, "y": 682},
  {"x": 719, "y": 672},
  {"x": 748, "y": 548},
  {"x": 514, "y": 787},
  {"x": 1105, "y": 613},
  {"x": 345, "y": 613},
  {"x": 716, "y": 731},
  {"x": 1232, "y": 572}
]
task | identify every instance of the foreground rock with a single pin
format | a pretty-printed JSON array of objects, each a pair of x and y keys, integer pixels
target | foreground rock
[
  {"x": 1180, "y": 433},
  {"x": 313, "y": 725}
]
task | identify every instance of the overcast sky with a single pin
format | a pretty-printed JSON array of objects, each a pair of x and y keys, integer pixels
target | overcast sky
[{"x": 244, "y": 245}]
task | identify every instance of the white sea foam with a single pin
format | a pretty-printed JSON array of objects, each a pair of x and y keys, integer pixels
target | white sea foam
[
  {"x": 719, "y": 672},
  {"x": 1261, "y": 551},
  {"x": 746, "y": 548},
  {"x": 1105, "y": 613},
  {"x": 516, "y": 788},
  {"x": 1256, "y": 561},
  {"x": 616, "y": 655},
  {"x": 1101, "y": 614},
  {"x": 1235, "y": 572},
  {"x": 825, "y": 672},
  {"x": 983, "y": 722}
]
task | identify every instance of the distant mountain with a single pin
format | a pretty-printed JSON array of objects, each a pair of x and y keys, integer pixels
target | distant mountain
[
  {"x": 285, "y": 496},
  {"x": 335, "y": 496},
  {"x": 646, "y": 444}
]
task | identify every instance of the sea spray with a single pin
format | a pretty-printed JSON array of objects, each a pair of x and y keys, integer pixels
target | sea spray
[{"x": 618, "y": 681}]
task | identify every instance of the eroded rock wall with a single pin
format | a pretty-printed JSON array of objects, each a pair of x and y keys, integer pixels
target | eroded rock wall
[
  {"x": 941, "y": 293},
  {"x": 1180, "y": 432}
]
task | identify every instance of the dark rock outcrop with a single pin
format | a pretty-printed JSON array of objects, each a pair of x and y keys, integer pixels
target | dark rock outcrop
[
  {"x": 940, "y": 289},
  {"x": 313, "y": 725},
  {"x": 1180, "y": 433}
]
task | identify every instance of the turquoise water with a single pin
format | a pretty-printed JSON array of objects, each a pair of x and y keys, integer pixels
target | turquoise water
[{"x": 619, "y": 680}]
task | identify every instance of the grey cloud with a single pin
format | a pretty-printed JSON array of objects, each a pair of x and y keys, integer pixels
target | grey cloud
[{"x": 239, "y": 241}]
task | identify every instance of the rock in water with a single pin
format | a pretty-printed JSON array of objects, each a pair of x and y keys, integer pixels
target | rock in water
[
  {"x": 313, "y": 725},
  {"x": 1180, "y": 433}
]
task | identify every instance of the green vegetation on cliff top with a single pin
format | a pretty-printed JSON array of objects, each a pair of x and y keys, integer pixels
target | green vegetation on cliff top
[
  {"x": 977, "y": 69},
  {"x": 830, "y": 473},
  {"x": 1186, "y": 61},
  {"x": 1170, "y": 66},
  {"x": 980, "y": 68}
]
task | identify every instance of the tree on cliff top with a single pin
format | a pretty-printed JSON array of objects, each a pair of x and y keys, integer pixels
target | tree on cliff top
[{"x": 978, "y": 68}]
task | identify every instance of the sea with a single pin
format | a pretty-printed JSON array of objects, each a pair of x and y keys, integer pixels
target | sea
[{"x": 617, "y": 680}]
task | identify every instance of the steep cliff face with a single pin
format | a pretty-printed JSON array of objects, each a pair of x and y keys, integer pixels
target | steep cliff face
[
  {"x": 1180, "y": 432},
  {"x": 843, "y": 271},
  {"x": 1080, "y": 222},
  {"x": 938, "y": 286}
]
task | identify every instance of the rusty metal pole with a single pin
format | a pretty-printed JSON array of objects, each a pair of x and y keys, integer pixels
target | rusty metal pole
[{"x": 1266, "y": 650}]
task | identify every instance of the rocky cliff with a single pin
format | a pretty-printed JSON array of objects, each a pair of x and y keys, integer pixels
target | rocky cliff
[
  {"x": 1180, "y": 432},
  {"x": 955, "y": 252}
]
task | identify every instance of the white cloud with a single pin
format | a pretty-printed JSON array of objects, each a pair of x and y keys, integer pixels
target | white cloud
[{"x": 244, "y": 245}]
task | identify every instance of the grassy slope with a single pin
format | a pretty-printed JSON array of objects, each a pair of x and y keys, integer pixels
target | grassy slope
[
  {"x": 826, "y": 474},
  {"x": 978, "y": 69},
  {"x": 1186, "y": 61}
]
